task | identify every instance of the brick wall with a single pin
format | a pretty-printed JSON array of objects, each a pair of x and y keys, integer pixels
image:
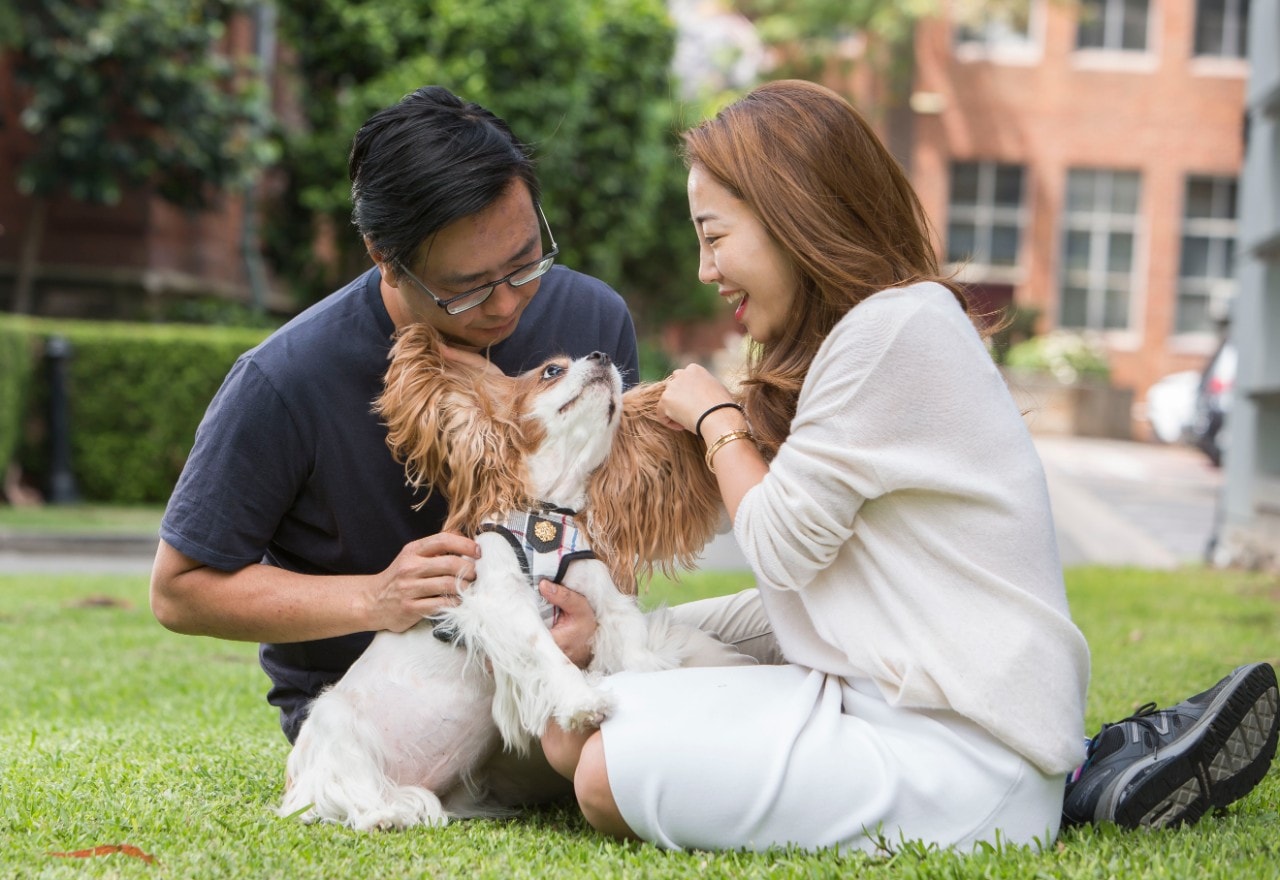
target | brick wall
[{"x": 1161, "y": 113}]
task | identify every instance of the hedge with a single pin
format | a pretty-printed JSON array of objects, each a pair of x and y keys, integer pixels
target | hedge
[
  {"x": 15, "y": 378},
  {"x": 136, "y": 395}
]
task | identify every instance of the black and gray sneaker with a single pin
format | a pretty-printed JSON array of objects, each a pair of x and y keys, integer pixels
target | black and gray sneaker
[{"x": 1165, "y": 767}]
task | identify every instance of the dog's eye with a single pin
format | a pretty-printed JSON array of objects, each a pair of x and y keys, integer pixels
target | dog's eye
[{"x": 552, "y": 371}]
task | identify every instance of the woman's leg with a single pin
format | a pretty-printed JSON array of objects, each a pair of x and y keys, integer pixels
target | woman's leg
[{"x": 580, "y": 758}]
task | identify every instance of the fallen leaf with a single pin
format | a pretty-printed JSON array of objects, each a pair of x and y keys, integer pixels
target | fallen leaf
[
  {"x": 100, "y": 602},
  {"x": 106, "y": 850}
]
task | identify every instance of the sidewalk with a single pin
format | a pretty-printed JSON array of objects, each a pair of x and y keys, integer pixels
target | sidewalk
[
  {"x": 1119, "y": 503},
  {"x": 1115, "y": 503}
]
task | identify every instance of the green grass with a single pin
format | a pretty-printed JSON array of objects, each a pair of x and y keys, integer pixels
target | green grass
[
  {"x": 113, "y": 731},
  {"x": 82, "y": 518}
]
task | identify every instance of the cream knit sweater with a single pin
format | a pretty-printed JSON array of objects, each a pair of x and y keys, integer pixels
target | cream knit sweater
[{"x": 903, "y": 532}]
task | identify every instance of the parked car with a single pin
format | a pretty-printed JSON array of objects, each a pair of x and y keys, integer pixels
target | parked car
[
  {"x": 1213, "y": 403},
  {"x": 1171, "y": 406}
]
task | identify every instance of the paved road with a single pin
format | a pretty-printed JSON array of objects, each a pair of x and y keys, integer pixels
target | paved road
[{"x": 1114, "y": 503}]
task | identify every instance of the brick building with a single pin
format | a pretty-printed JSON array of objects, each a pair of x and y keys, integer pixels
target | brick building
[
  {"x": 120, "y": 260},
  {"x": 1082, "y": 158}
]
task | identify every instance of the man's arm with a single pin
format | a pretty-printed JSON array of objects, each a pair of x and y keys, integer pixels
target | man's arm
[{"x": 262, "y": 603}]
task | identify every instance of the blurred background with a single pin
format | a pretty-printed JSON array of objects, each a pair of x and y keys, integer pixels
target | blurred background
[{"x": 1103, "y": 175}]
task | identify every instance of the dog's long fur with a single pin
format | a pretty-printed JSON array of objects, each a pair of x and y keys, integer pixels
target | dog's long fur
[{"x": 402, "y": 738}]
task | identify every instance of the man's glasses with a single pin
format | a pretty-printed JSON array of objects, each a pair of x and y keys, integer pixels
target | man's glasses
[{"x": 475, "y": 296}]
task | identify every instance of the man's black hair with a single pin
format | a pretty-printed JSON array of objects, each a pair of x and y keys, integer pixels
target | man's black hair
[{"x": 426, "y": 161}]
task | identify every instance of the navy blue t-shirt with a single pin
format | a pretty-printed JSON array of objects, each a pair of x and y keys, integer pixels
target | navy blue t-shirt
[{"x": 290, "y": 464}]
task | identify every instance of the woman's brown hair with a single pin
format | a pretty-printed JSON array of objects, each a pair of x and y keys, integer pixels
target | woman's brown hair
[{"x": 815, "y": 174}]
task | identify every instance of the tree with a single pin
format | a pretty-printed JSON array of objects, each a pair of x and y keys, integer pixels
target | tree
[
  {"x": 806, "y": 34},
  {"x": 119, "y": 94},
  {"x": 585, "y": 82}
]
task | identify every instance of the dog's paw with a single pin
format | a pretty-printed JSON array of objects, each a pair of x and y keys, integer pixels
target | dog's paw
[{"x": 586, "y": 714}]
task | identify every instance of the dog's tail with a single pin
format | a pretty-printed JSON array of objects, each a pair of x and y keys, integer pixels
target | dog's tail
[{"x": 337, "y": 773}]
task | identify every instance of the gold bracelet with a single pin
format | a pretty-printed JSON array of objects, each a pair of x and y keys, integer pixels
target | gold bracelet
[{"x": 721, "y": 441}]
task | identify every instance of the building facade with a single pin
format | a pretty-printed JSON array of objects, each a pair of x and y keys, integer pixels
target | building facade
[{"x": 1082, "y": 160}]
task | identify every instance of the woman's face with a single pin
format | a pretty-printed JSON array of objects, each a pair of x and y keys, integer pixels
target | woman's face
[{"x": 741, "y": 258}]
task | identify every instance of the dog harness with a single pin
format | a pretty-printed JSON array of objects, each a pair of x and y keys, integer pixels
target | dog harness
[{"x": 546, "y": 541}]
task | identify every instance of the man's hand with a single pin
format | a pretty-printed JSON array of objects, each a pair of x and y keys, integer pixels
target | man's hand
[
  {"x": 421, "y": 581},
  {"x": 575, "y": 627}
]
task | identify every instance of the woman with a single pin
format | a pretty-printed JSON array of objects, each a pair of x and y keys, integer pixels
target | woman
[{"x": 885, "y": 490}]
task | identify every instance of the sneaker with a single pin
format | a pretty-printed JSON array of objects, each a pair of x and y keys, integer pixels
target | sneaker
[{"x": 1159, "y": 768}]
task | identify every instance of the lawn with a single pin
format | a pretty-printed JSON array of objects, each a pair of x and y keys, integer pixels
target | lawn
[
  {"x": 106, "y": 519},
  {"x": 115, "y": 733}
]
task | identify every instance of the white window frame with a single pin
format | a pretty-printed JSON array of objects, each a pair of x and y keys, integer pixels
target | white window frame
[
  {"x": 1114, "y": 57},
  {"x": 984, "y": 216},
  {"x": 1217, "y": 290},
  {"x": 1236, "y": 25},
  {"x": 1100, "y": 222},
  {"x": 998, "y": 42}
]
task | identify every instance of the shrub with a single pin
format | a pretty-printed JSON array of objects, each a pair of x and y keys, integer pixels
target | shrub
[
  {"x": 16, "y": 360},
  {"x": 136, "y": 395},
  {"x": 1066, "y": 356}
]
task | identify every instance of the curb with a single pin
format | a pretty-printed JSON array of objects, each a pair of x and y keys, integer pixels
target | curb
[{"x": 78, "y": 544}]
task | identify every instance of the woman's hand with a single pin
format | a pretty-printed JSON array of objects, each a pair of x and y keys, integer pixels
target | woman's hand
[
  {"x": 689, "y": 393},
  {"x": 574, "y": 629}
]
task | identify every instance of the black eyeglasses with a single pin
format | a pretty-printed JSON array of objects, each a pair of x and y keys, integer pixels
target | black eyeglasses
[{"x": 475, "y": 296}]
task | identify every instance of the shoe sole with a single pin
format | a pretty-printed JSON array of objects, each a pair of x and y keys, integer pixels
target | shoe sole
[{"x": 1218, "y": 761}]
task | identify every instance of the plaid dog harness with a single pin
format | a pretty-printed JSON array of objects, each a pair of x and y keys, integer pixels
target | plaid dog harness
[{"x": 545, "y": 541}]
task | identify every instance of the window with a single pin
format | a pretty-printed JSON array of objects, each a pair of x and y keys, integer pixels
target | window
[
  {"x": 1101, "y": 225},
  {"x": 984, "y": 213},
  {"x": 1206, "y": 273},
  {"x": 1005, "y": 28},
  {"x": 1119, "y": 25},
  {"x": 1222, "y": 28}
]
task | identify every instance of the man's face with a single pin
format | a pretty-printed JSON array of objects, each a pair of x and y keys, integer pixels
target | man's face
[{"x": 464, "y": 255}]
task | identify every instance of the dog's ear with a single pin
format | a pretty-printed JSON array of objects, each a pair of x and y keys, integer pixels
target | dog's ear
[
  {"x": 654, "y": 503},
  {"x": 452, "y": 427}
]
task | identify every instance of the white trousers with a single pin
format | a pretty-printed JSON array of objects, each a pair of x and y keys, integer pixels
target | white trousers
[
  {"x": 746, "y": 638},
  {"x": 761, "y": 756}
]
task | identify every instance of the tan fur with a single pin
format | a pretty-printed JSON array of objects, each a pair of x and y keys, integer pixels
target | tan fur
[
  {"x": 426, "y": 400},
  {"x": 653, "y": 504}
]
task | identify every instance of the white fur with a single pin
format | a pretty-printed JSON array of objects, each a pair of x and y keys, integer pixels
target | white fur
[{"x": 402, "y": 739}]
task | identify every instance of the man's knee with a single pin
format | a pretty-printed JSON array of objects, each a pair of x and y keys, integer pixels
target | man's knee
[{"x": 737, "y": 620}]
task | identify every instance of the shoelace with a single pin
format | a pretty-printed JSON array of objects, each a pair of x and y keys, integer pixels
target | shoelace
[{"x": 1141, "y": 715}]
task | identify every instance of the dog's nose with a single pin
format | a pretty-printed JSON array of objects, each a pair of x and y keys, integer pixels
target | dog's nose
[{"x": 599, "y": 356}]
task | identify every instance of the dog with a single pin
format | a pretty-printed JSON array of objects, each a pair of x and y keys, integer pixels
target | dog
[{"x": 556, "y": 465}]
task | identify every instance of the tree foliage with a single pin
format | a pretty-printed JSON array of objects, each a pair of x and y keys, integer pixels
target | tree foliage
[
  {"x": 118, "y": 94},
  {"x": 123, "y": 93},
  {"x": 808, "y": 33},
  {"x": 584, "y": 82}
]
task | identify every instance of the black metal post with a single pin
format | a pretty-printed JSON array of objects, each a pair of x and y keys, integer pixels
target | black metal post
[{"x": 62, "y": 481}]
